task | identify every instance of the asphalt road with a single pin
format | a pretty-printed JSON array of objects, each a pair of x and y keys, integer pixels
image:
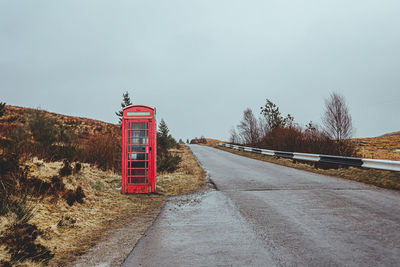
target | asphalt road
[{"x": 268, "y": 215}]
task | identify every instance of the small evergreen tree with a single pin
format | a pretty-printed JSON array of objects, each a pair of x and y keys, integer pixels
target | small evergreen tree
[
  {"x": 165, "y": 141},
  {"x": 274, "y": 118},
  {"x": 126, "y": 101},
  {"x": 2, "y": 108}
]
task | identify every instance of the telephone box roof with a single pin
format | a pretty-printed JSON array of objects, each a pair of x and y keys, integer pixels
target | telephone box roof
[{"x": 144, "y": 106}]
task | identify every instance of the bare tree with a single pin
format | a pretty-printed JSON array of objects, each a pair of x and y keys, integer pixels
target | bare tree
[
  {"x": 336, "y": 119},
  {"x": 234, "y": 138},
  {"x": 248, "y": 128},
  {"x": 263, "y": 126}
]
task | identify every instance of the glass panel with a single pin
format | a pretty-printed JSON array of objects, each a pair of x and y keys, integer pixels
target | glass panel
[
  {"x": 139, "y": 164},
  {"x": 138, "y": 125},
  {"x": 139, "y": 133},
  {"x": 138, "y": 141},
  {"x": 138, "y": 172},
  {"x": 139, "y": 156},
  {"x": 138, "y": 180},
  {"x": 139, "y": 149}
]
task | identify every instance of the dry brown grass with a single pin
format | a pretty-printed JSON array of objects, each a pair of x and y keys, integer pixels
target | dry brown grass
[
  {"x": 83, "y": 128},
  {"x": 383, "y": 147},
  {"x": 381, "y": 178},
  {"x": 212, "y": 142},
  {"x": 188, "y": 178},
  {"x": 71, "y": 230}
]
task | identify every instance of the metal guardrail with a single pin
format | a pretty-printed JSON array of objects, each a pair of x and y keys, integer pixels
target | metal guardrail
[{"x": 390, "y": 165}]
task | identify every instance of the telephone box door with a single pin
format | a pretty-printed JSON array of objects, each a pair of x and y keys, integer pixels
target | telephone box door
[{"x": 138, "y": 156}]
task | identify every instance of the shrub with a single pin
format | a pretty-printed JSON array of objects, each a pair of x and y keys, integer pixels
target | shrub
[
  {"x": 294, "y": 139},
  {"x": 71, "y": 197},
  {"x": 18, "y": 141},
  {"x": 78, "y": 167},
  {"x": 201, "y": 140},
  {"x": 104, "y": 151},
  {"x": 10, "y": 174},
  {"x": 19, "y": 238},
  {"x": 44, "y": 131},
  {"x": 2, "y": 108},
  {"x": 60, "y": 152},
  {"x": 168, "y": 163},
  {"x": 66, "y": 169},
  {"x": 20, "y": 243}
]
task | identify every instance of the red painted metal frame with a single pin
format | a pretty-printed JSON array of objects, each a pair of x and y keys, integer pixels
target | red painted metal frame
[{"x": 130, "y": 183}]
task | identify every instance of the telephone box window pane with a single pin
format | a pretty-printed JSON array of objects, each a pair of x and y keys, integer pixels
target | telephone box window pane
[
  {"x": 139, "y": 164},
  {"x": 139, "y": 149},
  {"x": 139, "y": 133},
  {"x": 138, "y": 172},
  {"x": 138, "y": 141},
  {"x": 138, "y": 180},
  {"x": 138, "y": 125},
  {"x": 139, "y": 156}
]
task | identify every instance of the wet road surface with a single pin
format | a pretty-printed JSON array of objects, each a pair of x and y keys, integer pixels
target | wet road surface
[{"x": 268, "y": 215}]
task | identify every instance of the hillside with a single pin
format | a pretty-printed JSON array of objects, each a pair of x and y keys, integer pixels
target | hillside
[
  {"x": 83, "y": 128},
  {"x": 383, "y": 147},
  {"x": 53, "y": 210},
  {"x": 390, "y": 134}
]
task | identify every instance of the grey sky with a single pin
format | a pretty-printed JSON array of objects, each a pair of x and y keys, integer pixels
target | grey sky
[{"x": 201, "y": 63}]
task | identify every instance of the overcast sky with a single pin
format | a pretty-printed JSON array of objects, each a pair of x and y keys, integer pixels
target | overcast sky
[{"x": 202, "y": 62}]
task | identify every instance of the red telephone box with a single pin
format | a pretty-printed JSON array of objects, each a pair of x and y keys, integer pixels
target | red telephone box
[{"x": 138, "y": 149}]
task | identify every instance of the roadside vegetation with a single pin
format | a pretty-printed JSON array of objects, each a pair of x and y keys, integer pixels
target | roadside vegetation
[
  {"x": 271, "y": 130},
  {"x": 60, "y": 186},
  {"x": 380, "y": 178},
  {"x": 274, "y": 131}
]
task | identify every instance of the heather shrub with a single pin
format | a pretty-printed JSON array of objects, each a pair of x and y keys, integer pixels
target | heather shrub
[
  {"x": 44, "y": 131},
  {"x": 66, "y": 169},
  {"x": 71, "y": 197},
  {"x": 104, "y": 151},
  {"x": 18, "y": 141},
  {"x": 78, "y": 167}
]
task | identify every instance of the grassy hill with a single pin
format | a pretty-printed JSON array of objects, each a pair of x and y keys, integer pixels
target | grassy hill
[
  {"x": 83, "y": 128},
  {"x": 383, "y": 147},
  {"x": 59, "y": 199}
]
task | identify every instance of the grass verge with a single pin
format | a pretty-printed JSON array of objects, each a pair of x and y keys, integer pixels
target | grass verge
[
  {"x": 69, "y": 231},
  {"x": 380, "y": 178}
]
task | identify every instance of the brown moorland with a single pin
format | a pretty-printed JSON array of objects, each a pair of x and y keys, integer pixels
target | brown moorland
[
  {"x": 382, "y": 147},
  {"x": 68, "y": 231}
]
